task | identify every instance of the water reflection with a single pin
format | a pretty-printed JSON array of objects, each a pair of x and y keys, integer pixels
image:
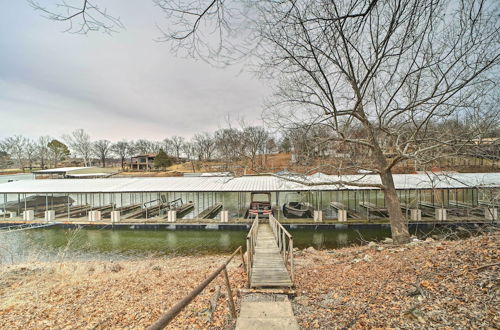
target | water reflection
[
  {"x": 342, "y": 239},
  {"x": 318, "y": 240},
  {"x": 225, "y": 240},
  {"x": 115, "y": 240},
  {"x": 51, "y": 243},
  {"x": 171, "y": 240}
]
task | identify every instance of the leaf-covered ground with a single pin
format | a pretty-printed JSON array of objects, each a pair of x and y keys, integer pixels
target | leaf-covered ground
[
  {"x": 103, "y": 295},
  {"x": 449, "y": 284}
]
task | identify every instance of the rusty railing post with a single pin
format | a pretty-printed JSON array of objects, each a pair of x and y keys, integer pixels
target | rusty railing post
[
  {"x": 230, "y": 294},
  {"x": 291, "y": 260},
  {"x": 249, "y": 263},
  {"x": 243, "y": 260}
]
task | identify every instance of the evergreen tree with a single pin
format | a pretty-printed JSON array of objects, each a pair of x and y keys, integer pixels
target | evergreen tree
[
  {"x": 57, "y": 151},
  {"x": 162, "y": 160}
]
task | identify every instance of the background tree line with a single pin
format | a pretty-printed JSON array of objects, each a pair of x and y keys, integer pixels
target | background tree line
[
  {"x": 226, "y": 145},
  {"x": 248, "y": 145}
]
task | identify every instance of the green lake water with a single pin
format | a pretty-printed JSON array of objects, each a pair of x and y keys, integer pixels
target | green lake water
[{"x": 105, "y": 244}]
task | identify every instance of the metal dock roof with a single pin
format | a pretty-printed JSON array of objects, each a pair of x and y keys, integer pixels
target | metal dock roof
[{"x": 318, "y": 182}]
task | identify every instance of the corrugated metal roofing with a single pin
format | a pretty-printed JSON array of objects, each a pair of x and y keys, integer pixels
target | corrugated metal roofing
[
  {"x": 82, "y": 175},
  {"x": 59, "y": 170},
  {"x": 247, "y": 183}
]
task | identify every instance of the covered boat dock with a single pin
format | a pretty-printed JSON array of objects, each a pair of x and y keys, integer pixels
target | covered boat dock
[{"x": 222, "y": 199}]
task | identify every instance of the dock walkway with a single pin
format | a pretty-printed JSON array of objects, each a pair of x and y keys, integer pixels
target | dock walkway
[{"x": 268, "y": 269}]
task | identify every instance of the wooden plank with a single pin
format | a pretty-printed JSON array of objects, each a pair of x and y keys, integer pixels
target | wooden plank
[
  {"x": 183, "y": 209},
  {"x": 268, "y": 269},
  {"x": 210, "y": 212}
]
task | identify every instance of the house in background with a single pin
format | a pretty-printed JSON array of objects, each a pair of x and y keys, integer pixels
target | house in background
[{"x": 142, "y": 162}]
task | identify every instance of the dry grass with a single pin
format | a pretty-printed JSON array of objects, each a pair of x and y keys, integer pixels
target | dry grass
[
  {"x": 149, "y": 174},
  {"x": 98, "y": 295},
  {"x": 10, "y": 171}
]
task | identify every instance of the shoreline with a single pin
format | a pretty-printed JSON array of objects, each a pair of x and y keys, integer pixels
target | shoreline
[{"x": 420, "y": 284}]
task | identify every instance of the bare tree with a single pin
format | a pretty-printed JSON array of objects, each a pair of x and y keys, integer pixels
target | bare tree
[
  {"x": 190, "y": 151},
  {"x": 309, "y": 142},
  {"x": 285, "y": 144},
  {"x": 167, "y": 146},
  {"x": 381, "y": 75},
  {"x": 229, "y": 145},
  {"x": 79, "y": 142},
  {"x": 5, "y": 160},
  {"x": 81, "y": 18},
  {"x": 102, "y": 149},
  {"x": 177, "y": 142},
  {"x": 43, "y": 150},
  {"x": 205, "y": 145},
  {"x": 383, "y": 79},
  {"x": 30, "y": 152},
  {"x": 15, "y": 147},
  {"x": 122, "y": 149},
  {"x": 143, "y": 146},
  {"x": 255, "y": 139}
]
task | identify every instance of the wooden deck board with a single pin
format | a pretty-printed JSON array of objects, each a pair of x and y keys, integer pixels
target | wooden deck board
[{"x": 268, "y": 269}]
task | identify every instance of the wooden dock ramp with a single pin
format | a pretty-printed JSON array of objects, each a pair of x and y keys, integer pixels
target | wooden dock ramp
[
  {"x": 268, "y": 266},
  {"x": 270, "y": 255},
  {"x": 270, "y": 269}
]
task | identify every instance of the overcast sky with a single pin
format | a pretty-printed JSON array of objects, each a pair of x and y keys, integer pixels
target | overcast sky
[{"x": 121, "y": 86}]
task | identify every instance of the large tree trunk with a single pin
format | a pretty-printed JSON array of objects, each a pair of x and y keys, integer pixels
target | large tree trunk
[{"x": 399, "y": 227}]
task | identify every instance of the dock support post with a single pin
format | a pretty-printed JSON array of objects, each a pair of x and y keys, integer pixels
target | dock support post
[
  {"x": 224, "y": 216},
  {"x": 318, "y": 216},
  {"x": 342, "y": 215},
  {"x": 95, "y": 216},
  {"x": 50, "y": 215},
  {"x": 441, "y": 214},
  {"x": 416, "y": 215},
  {"x": 115, "y": 216},
  {"x": 28, "y": 215},
  {"x": 172, "y": 216},
  {"x": 491, "y": 213}
]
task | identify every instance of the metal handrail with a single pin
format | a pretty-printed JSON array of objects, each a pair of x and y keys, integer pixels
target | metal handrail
[
  {"x": 165, "y": 319},
  {"x": 285, "y": 244},
  {"x": 251, "y": 241}
]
